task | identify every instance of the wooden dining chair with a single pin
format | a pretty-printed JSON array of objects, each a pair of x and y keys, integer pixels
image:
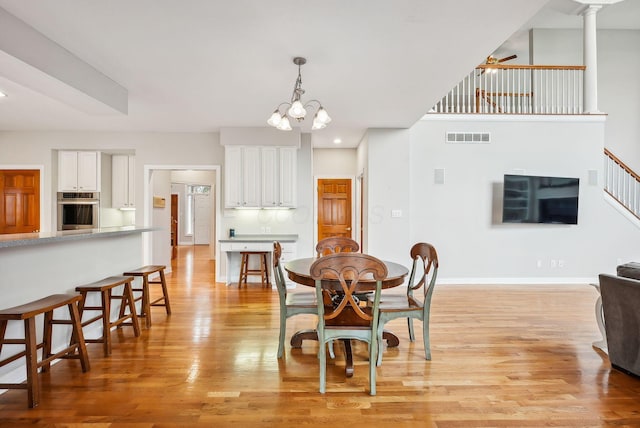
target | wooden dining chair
[
  {"x": 336, "y": 244},
  {"x": 423, "y": 277},
  {"x": 337, "y": 277},
  {"x": 290, "y": 303}
]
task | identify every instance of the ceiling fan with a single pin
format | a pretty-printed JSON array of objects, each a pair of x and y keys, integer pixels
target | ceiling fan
[{"x": 491, "y": 60}]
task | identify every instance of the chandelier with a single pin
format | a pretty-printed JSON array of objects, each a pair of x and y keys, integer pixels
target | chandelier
[{"x": 295, "y": 109}]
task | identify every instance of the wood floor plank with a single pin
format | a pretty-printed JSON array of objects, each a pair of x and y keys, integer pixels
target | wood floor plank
[{"x": 502, "y": 356}]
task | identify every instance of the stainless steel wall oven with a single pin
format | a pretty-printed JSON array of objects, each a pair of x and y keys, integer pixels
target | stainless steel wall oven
[{"x": 78, "y": 210}]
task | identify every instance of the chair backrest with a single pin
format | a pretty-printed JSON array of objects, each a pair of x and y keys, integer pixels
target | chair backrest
[
  {"x": 424, "y": 270},
  {"x": 336, "y": 244},
  {"x": 277, "y": 270},
  {"x": 337, "y": 277}
]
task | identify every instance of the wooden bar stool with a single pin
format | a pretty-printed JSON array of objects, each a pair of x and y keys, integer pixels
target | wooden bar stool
[
  {"x": 105, "y": 288},
  {"x": 28, "y": 313},
  {"x": 245, "y": 271},
  {"x": 144, "y": 272}
]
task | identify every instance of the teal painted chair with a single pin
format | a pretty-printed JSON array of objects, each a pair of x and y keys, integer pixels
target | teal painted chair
[
  {"x": 290, "y": 303},
  {"x": 422, "y": 278},
  {"x": 337, "y": 277}
]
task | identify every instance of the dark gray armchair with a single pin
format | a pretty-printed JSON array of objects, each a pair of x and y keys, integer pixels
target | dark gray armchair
[{"x": 621, "y": 306}]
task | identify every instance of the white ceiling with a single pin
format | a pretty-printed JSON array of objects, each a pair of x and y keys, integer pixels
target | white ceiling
[{"x": 199, "y": 65}]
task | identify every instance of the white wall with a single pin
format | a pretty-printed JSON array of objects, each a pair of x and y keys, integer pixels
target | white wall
[
  {"x": 461, "y": 217},
  {"x": 160, "y": 187},
  {"x": 387, "y": 189},
  {"x": 618, "y": 83},
  {"x": 335, "y": 162}
]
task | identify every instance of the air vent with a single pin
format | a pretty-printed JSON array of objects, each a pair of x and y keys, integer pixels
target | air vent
[{"x": 468, "y": 137}]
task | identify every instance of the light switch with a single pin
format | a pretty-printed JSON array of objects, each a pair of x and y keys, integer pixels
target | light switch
[{"x": 396, "y": 213}]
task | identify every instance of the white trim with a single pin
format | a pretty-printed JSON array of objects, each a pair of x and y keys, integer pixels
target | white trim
[
  {"x": 514, "y": 117},
  {"x": 621, "y": 209},
  {"x": 517, "y": 281}
]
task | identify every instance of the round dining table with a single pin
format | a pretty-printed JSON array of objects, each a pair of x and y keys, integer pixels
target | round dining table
[{"x": 298, "y": 272}]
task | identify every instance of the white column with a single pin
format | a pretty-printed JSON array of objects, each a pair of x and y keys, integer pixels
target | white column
[{"x": 590, "y": 53}]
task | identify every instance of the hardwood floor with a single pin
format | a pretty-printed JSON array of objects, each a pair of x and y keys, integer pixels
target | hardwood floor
[{"x": 503, "y": 356}]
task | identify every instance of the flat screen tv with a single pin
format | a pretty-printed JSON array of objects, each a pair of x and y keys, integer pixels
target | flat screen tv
[{"x": 535, "y": 199}]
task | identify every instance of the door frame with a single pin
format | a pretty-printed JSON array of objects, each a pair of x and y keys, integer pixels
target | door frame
[
  {"x": 354, "y": 206},
  {"x": 148, "y": 209}
]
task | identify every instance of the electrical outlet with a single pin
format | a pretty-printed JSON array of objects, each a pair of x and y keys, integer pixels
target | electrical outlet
[
  {"x": 554, "y": 263},
  {"x": 539, "y": 264},
  {"x": 560, "y": 263}
]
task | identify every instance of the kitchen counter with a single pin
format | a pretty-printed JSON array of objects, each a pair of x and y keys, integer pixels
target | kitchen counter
[
  {"x": 260, "y": 238},
  {"x": 23, "y": 239},
  {"x": 35, "y": 265}
]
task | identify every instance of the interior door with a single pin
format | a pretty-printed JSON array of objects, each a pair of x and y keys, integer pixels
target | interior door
[
  {"x": 334, "y": 207},
  {"x": 202, "y": 219},
  {"x": 19, "y": 201},
  {"x": 174, "y": 225}
]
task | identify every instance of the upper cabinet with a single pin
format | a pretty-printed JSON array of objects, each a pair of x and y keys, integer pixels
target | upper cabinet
[
  {"x": 78, "y": 171},
  {"x": 279, "y": 177},
  {"x": 260, "y": 177},
  {"x": 123, "y": 181}
]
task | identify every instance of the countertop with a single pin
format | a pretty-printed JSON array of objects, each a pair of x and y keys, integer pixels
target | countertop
[
  {"x": 261, "y": 238},
  {"x": 23, "y": 239}
]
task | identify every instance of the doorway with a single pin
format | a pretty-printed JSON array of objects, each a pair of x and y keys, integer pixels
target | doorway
[{"x": 157, "y": 248}]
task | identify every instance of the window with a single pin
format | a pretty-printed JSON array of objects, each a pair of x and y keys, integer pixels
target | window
[{"x": 192, "y": 190}]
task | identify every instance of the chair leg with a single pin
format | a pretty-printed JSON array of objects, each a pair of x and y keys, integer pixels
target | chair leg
[
  {"x": 412, "y": 336},
  {"x": 323, "y": 368},
  {"x": 373, "y": 358},
  {"x": 425, "y": 338},
  {"x": 283, "y": 327},
  {"x": 380, "y": 344},
  {"x": 31, "y": 350}
]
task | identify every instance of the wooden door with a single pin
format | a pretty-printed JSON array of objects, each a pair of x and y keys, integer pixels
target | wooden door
[
  {"x": 19, "y": 201},
  {"x": 334, "y": 207},
  {"x": 174, "y": 225}
]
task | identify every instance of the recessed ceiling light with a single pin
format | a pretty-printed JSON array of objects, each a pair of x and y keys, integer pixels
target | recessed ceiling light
[
  {"x": 2, "y": 94},
  {"x": 337, "y": 141}
]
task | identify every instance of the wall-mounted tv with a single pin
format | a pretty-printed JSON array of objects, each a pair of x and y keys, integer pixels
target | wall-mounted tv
[{"x": 535, "y": 199}]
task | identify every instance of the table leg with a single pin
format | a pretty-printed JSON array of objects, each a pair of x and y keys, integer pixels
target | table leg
[{"x": 348, "y": 356}]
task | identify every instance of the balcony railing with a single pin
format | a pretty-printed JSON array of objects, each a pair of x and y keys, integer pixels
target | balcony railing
[
  {"x": 621, "y": 183},
  {"x": 517, "y": 89}
]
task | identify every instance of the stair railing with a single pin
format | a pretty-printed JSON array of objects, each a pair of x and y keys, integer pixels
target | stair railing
[
  {"x": 517, "y": 89},
  {"x": 622, "y": 183}
]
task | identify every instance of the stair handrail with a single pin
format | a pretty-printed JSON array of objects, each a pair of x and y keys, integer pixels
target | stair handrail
[{"x": 626, "y": 189}]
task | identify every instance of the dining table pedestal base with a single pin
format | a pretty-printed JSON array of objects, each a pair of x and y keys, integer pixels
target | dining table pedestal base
[{"x": 310, "y": 334}]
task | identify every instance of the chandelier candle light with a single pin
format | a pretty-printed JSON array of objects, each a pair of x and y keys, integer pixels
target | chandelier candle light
[{"x": 295, "y": 109}]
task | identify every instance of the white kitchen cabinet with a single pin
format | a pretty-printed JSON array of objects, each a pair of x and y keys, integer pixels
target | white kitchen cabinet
[
  {"x": 242, "y": 179},
  {"x": 253, "y": 177},
  {"x": 251, "y": 192},
  {"x": 123, "y": 181},
  {"x": 288, "y": 177},
  {"x": 78, "y": 171},
  {"x": 270, "y": 177}
]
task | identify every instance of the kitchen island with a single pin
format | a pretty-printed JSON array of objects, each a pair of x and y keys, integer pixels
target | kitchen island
[
  {"x": 231, "y": 247},
  {"x": 36, "y": 265}
]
